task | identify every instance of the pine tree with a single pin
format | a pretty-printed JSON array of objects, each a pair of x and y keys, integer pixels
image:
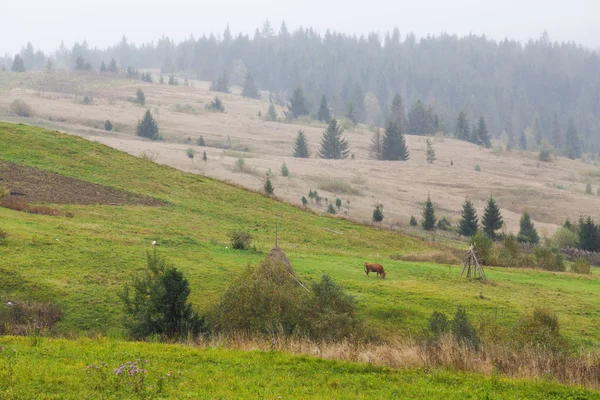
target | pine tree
[
  {"x": 417, "y": 120},
  {"x": 573, "y": 143},
  {"x": 297, "y": 106},
  {"x": 351, "y": 113},
  {"x": 462, "y": 130},
  {"x": 492, "y": 219},
  {"x": 429, "y": 220},
  {"x": 18, "y": 64},
  {"x": 250, "y": 89},
  {"x": 483, "y": 136},
  {"x": 376, "y": 146},
  {"x": 190, "y": 153},
  {"x": 378, "y": 213},
  {"x": 102, "y": 66},
  {"x": 304, "y": 201},
  {"x": 272, "y": 113},
  {"x": 338, "y": 204},
  {"x": 112, "y": 66},
  {"x": 221, "y": 85},
  {"x": 468, "y": 223},
  {"x": 147, "y": 127},
  {"x": 284, "y": 170},
  {"x": 333, "y": 146},
  {"x": 397, "y": 113},
  {"x": 204, "y": 157},
  {"x": 324, "y": 114},
  {"x": 557, "y": 135},
  {"x": 79, "y": 63},
  {"x": 527, "y": 233},
  {"x": 589, "y": 236},
  {"x": 394, "y": 146},
  {"x": 523, "y": 141},
  {"x": 536, "y": 127},
  {"x": 301, "y": 146},
  {"x": 430, "y": 152},
  {"x": 269, "y": 186},
  {"x": 141, "y": 98}
]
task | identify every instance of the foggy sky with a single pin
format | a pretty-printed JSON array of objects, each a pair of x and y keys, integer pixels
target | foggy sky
[{"x": 102, "y": 23}]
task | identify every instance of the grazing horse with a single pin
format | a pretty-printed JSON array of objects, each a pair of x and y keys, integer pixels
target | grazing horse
[{"x": 369, "y": 267}]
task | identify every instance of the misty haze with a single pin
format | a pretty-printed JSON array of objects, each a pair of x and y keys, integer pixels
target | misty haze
[{"x": 299, "y": 200}]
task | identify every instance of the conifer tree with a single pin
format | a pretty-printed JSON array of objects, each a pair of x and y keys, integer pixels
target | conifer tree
[
  {"x": 430, "y": 152},
  {"x": 376, "y": 146},
  {"x": 284, "y": 170},
  {"x": 417, "y": 120},
  {"x": 298, "y": 106},
  {"x": 527, "y": 232},
  {"x": 147, "y": 127},
  {"x": 589, "y": 236},
  {"x": 468, "y": 223},
  {"x": 536, "y": 126},
  {"x": 394, "y": 146},
  {"x": 429, "y": 220},
  {"x": 557, "y": 135},
  {"x": 141, "y": 97},
  {"x": 112, "y": 66},
  {"x": 102, "y": 66},
  {"x": 462, "y": 130},
  {"x": 269, "y": 189},
  {"x": 333, "y": 146},
  {"x": 397, "y": 113},
  {"x": 18, "y": 64},
  {"x": 492, "y": 219},
  {"x": 204, "y": 157},
  {"x": 250, "y": 89},
  {"x": 573, "y": 144},
  {"x": 272, "y": 113},
  {"x": 483, "y": 136},
  {"x": 221, "y": 84},
  {"x": 378, "y": 213},
  {"x": 351, "y": 113},
  {"x": 301, "y": 146},
  {"x": 324, "y": 114},
  {"x": 523, "y": 141}
]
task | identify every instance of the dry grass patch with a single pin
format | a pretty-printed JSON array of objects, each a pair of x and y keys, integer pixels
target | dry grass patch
[{"x": 338, "y": 186}]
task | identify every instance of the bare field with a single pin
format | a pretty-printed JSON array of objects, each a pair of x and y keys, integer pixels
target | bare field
[{"x": 550, "y": 191}]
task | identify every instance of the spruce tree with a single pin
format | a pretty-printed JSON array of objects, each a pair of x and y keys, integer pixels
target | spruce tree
[
  {"x": 333, "y": 146},
  {"x": 394, "y": 146},
  {"x": 468, "y": 223},
  {"x": 573, "y": 144},
  {"x": 269, "y": 186},
  {"x": 557, "y": 135},
  {"x": 462, "y": 130},
  {"x": 112, "y": 66},
  {"x": 221, "y": 85},
  {"x": 18, "y": 64},
  {"x": 298, "y": 106},
  {"x": 492, "y": 219},
  {"x": 523, "y": 141},
  {"x": 397, "y": 113},
  {"x": 351, "y": 113},
  {"x": 429, "y": 220},
  {"x": 324, "y": 114},
  {"x": 204, "y": 157},
  {"x": 376, "y": 146},
  {"x": 527, "y": 233},
  {"x": 102, "y": 66},
  {"x": 301, "y": 146},
  {"x": 430, "y": 152},
  {"x": 589, "y": 236},
  {"x": 141, "y": 97},
  {"x": 272, "y": 113},
  {"x": 417, "y": 119},
  {"x": 483, "y": 135},
  {"x": 536, "y": 126},
  {"x": 147, "y": 127},
  {"x": 378, "y": 213},
  {"x": 250, "y": 89}
]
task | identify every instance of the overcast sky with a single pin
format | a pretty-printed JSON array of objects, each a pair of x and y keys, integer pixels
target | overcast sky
[{"x": 46, "y": 22}]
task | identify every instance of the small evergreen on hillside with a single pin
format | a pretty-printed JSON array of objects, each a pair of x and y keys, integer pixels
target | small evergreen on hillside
[
  {"x": 141, "y": 97},
  {"x": 430, "y": 152},
  {"x": 527, "y": 233},
  {"x": 376, "y": 145},
  {"x": 397, "y": 113},
  {"x": 147, "y": 127},
  {"x": 492, "y": 219},
  {"x": 298, "y": 104},
  {"x": 413, "y": 221},
  {"x": 102, "y": 66},
  {"x": 204, "y": 157},
  {"x": 216, "y": 105},
  {"x": 417, "y": 120},
  {"x": 269, "y": 189},
  {"x": 462, "y": 130},
  {"x": 272, "y": 113},
  {"x": 301, "y": 146},
  {"x": 351, "y": 113},
  {"x": 378, "y": 213},
  {"x": 589, "y": 235},
  {"x": 393, "y": 144},
  {"x": 112, "y": 66},
  {"x": 333, "y": 145},
  {"x": 523, "y": 141},
  {"x": 108, "y": 126},
  {"x": 324, "y": 114},
  {"x": 572, "y": 141},
  {"x": 250, "y": 89},
  {"x": 284, "y": 170},
  {"x": 428, "y": 222},
  {"x": 468, "y": 223},
  {"x": 221, "y": 84},
  {"x": 481, "y": 135},
  {"x": 18, "y": 64}
]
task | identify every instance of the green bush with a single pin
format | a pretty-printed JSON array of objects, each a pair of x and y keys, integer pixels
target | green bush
[
  {"x": 216, "y": 105},
  {"x": 549, "y": 258},
  {"x": 158, "y": 304},
  {"x": 437, "y": 325},
  {"x": 541, "y": 330},
  {"x": 444, "y": 224},
  {"x": 200, "y": 141},
  {"x": 579, "y": 266},
  {"x": 462, "y": 329},
  {"x": 140, "y": 97},
  {"x": 484, "y": 247},
  {"x": 477, "y": 168},
  {"x": 331, "y": 209},
  {"x": 545, "y": 154},
  {"x": 510, "y": 253},
  {"x": 564, "y": 237},
  {"x": 269, "y": 189},
  {"x": 108, "y": 126},
  {"x": 284, "y": 170},
  {"x": 413, "y": 221},
  {"x": 240, "y": 240},
  {"x": 21, "y": 108}
]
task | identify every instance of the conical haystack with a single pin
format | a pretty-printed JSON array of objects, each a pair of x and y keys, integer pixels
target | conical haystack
[{"x": 276, "y": 255}]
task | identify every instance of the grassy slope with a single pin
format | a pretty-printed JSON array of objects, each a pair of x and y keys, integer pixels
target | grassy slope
[
  {"x": 56, "y": 369},
  {"x": 105, "y": 245}
]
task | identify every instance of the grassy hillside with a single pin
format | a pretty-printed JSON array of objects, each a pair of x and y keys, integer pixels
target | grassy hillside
[
  {"x": 58, "y": 369},
  {"x": 80, "y": 263}
]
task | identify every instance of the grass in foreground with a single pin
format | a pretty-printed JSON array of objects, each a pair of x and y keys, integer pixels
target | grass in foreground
[
  {"x": 58, "y": 369},
  {"x": 80, "y": 263}
]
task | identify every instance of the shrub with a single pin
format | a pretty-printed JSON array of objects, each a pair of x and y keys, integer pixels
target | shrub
[
  {"x": 140, "y": 96},
  {"x": 509, "y": 255},
  {"x": 108, "y": 126},
  {"x": 240, "y": 165},
  {"x": 539, "y": 329},
  {"x": 413, "y": 221},
  {"x": 158, "y": 304},
  {"x": 437, "y": 325},
  {"x": 304, "y": 201},
  {"x": 269, "y": 189},
  {"x": 172, "y": 80},
  {"x": 200, "y": 141},
  {"x": 579, "y": 266},
  {"x": 477, "y": 168},
  {"x": 87, "y": 100},
  {"x": 545, "y": 154},
  {"x": 378, "y": 213},
  {"x": 284, "y": 170},
  {"x": 564, "y": 237},
  {"x": 331, "y": 209},
  {"x": 216, "y": 105},
  {"x": 240, "y": 240},
  {"x": 21, "y": 108},
  {"x": 462, "y": 329},
  {"x": 444, "y": 224},
  {"x": 190, "y": 153},
  {"x": 549, "y": 258},
  {"x": 484, "y": 247},
  {"x": 588, "y": 188}
]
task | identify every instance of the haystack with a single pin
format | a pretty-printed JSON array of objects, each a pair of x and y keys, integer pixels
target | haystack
[{"x": 276, "y": 255}]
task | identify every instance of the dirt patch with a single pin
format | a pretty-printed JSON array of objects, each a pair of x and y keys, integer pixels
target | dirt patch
[{"x": 35, "y": 185}]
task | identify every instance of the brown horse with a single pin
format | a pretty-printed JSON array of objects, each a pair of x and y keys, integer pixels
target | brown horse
[{"x": 378, "y": 268}]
